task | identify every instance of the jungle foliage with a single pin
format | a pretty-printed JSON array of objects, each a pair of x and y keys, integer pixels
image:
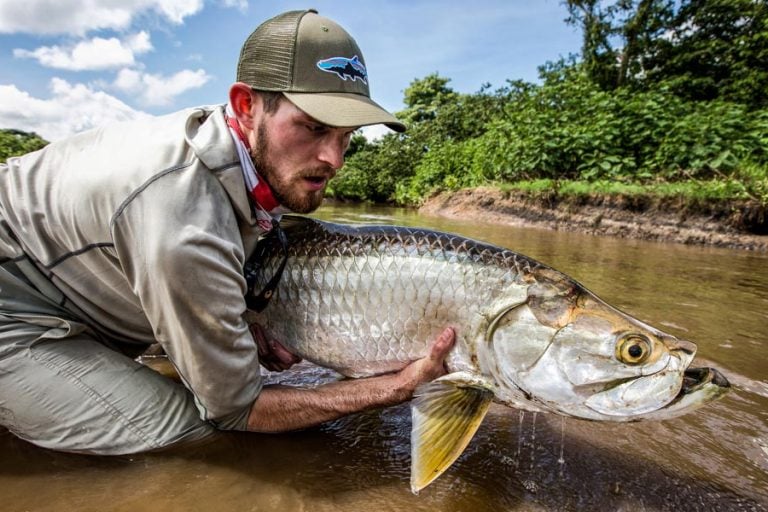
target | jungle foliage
[
  {"x": 662, "y": 92},
  {"x": 17, "y": 142}
]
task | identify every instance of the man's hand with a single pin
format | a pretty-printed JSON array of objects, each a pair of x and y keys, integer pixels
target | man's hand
[
  {"x": 430, "y": 366},
  {"x": 272, "y": 355}
]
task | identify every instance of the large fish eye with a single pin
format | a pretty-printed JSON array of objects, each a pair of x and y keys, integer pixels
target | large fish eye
[{"x": 633, "y": 349}]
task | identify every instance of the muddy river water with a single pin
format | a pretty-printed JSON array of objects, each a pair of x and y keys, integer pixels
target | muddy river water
[{"x": 713, "y": 459}]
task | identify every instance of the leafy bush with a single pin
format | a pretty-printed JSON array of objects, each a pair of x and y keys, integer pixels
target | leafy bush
[
  {"x": 567, "y": 128},
  {"x": 711, "y": 137},
  {"x": 17, "y": 142}
]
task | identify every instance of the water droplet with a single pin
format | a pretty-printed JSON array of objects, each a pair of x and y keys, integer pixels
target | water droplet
[
  {"x": 530, "y": 486},
  {"x": 519, "y": 438},
  {"x": 533, "y": 439},
  {"x": 561, "y": 459}
]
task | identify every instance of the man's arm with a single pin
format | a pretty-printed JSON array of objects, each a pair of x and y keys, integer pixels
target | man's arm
[{"x": 280, "y": 408}]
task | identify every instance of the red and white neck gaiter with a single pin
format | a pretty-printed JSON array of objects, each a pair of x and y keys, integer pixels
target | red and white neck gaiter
[{"x": 267, "y": 206}]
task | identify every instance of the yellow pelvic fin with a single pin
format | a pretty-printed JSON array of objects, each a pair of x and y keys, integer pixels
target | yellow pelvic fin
[{"x": 446, "y": 414}]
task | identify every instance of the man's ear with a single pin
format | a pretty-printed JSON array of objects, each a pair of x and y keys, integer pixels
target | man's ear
[{"x": 242, "y": 100}]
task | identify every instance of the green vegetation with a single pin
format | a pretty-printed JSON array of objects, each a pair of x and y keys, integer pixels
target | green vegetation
[
  {"x": 667, "y": 97},
  {"x": 17, "y": 142},
  {"x": 706, "y": 191}
]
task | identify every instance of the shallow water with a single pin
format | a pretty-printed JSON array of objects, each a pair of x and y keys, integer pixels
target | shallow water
[{"x": 713, "y": 459}]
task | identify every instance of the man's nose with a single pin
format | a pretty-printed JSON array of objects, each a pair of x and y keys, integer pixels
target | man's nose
[{"x": 332, "y": 153}]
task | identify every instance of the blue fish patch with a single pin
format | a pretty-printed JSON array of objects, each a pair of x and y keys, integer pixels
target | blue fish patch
[{"x": 345, "y": 68}]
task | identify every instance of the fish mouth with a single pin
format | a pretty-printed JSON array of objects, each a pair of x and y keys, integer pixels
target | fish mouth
[
  {"x": 700, "y": 387},
  {"x": 696, "y": 379}
]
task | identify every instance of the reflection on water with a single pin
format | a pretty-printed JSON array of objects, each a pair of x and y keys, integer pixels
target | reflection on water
[{"x": 713, "y": 459}]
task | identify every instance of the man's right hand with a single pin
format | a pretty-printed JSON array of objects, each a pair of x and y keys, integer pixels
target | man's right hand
[{"x": 430, "y": 366}]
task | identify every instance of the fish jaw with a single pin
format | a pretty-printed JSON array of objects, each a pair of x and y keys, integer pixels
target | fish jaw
[
  {"x": 700, "y": 387},
  {"x": 640, "y": 395}
]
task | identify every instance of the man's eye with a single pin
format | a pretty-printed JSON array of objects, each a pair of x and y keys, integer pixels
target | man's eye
[{"x": 316, "y": 128}]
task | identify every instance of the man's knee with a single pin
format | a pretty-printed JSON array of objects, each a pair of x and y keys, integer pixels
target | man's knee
[{"x": 76, "y": 395}]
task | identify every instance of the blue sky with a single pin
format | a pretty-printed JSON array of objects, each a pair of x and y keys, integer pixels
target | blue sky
[{"x": 69, "y": 65}]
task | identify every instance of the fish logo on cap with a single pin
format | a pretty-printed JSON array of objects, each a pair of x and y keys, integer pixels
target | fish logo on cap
[{"x": 345, "y": 68}]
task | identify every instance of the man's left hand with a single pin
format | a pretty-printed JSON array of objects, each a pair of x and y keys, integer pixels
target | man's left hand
[{"x": 272, "y": 354}]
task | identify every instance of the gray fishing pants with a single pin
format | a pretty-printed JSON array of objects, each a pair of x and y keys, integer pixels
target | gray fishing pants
[{"x": 62, "y": 389}]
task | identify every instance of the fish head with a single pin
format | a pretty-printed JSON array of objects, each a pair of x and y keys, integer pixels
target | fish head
[{"x": 564, "y": 350}]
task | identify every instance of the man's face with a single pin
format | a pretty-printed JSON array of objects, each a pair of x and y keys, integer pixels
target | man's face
[{"x": 297, "y": 155}]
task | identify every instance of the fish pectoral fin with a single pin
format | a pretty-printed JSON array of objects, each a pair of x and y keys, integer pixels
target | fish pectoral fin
[{"x": 446, "y": 414}]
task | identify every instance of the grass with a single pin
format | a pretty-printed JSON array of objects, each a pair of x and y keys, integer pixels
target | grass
[{"x": 748, "y": 185}]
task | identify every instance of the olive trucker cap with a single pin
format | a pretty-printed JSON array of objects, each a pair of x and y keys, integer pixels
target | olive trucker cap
[{"x": 317, "y": 65}]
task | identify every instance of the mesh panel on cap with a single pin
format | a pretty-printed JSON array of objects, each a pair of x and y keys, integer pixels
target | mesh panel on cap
[{"x": 266, "y": 59}]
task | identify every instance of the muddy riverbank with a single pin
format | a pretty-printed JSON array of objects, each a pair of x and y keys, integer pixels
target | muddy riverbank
[{"x": 738, "y": 225}]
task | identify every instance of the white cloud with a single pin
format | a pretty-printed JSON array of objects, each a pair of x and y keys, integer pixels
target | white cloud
[
  {"x": 240, "y": 5},
  {"x": 80, "y": 16},
  {"x": 71, "y": 109},
  {"x": 128, "y": 80},
  {"x": 158, "y": 89},
  {"x": 139, "y": 42},
  {"x": 95, "y": 53},
  {"x": 177, "y": 10}
]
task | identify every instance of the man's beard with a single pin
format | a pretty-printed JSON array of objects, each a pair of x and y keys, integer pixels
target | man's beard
[{"x": 286, "y": 190}]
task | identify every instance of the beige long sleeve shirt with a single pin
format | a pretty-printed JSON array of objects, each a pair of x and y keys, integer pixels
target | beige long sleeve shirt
[{"x": 144, "y": 228}]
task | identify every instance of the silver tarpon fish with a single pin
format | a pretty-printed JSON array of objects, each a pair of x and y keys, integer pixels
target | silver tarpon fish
[{"x": 366, "y": 300}]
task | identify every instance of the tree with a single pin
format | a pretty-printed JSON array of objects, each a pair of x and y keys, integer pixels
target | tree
[
  {"x": 617, "y": 36},
  {"x": 598, "y": 56},
  {"x": 645, "y": 23},
  {"x": 357, "y": 143},
  {"x": 700, "y": 49},
  {"x": 17, "y": 142},
  {"x": 716, "y": 49},
  {"x": 424, "y": 96}
]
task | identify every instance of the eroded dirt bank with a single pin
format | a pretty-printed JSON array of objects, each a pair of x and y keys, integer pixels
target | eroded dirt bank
[{"x": 736, "y": 225}]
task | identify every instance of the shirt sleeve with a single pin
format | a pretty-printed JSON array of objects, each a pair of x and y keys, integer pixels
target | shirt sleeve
[{"x": 180, "y": 247}]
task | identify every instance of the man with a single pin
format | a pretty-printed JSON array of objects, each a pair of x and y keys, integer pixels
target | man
[{"x": 134, "y": 234}]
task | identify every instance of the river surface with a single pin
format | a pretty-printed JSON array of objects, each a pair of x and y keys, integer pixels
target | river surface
[{"x": 713, "y": 459}]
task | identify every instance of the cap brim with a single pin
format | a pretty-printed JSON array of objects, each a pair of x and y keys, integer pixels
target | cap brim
[{"x": 343, "y": 109}]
